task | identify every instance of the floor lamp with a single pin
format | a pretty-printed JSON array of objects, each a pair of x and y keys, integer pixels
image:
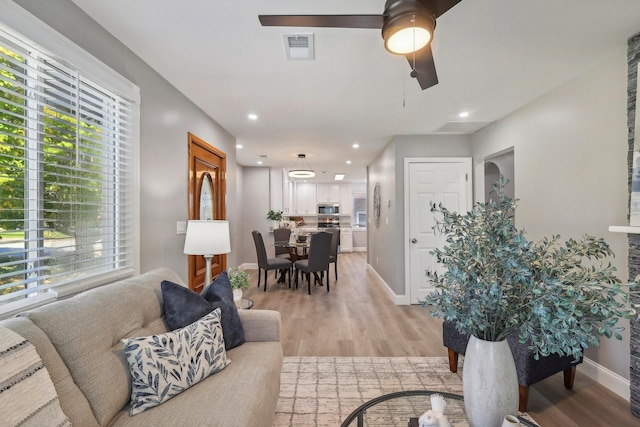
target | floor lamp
[{"x": 207, "y": 238}]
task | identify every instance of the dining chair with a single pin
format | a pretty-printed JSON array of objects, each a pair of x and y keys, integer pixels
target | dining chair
[
  {"x": 282, "y": 235},
  {"x": 267, "y": 264},
  {"x": 333, "y": 254},
  {"x": 318, "y": 260}
]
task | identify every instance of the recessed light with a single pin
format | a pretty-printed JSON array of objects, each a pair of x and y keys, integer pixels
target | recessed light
[
  {"x": 348, "y": 162},
  {"x": 238, "y": 145},
  {"x": 259, "y": 162},
  {"x": 253, "y": 116},
  {"x": 338, "y": 176},
  {"x": 463, "y": 114},
  {"x": 356, "y": 145}
]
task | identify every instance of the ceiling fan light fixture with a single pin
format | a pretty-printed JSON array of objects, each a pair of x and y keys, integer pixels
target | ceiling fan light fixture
[
  {"x": 408, "y": 32},
  {"x": 301, "y": 168}
]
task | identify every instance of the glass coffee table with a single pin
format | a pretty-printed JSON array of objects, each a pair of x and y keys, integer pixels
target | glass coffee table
[{"x": 403, "y": 408}]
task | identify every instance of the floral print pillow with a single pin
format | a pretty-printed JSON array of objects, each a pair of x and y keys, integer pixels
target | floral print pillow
[{"x": 164, "y": 365}]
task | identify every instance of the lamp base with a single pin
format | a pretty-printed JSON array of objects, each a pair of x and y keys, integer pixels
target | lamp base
[{"x": 207, "y": 271}]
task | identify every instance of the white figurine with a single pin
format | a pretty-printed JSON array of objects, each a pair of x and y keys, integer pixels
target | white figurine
[{"x": 435, "y": 416}]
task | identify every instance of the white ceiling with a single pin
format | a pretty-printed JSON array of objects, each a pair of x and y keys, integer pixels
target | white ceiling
[{"x": 492, "y": 57}]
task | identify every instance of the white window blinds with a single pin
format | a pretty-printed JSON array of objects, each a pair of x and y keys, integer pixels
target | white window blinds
[{"x": 66, "y": 175}]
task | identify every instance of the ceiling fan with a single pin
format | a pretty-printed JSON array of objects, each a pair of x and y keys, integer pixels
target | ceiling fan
[{"x": 407, "y": 29}]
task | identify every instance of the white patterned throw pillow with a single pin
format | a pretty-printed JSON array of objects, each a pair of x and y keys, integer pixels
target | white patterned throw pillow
[{"x": 164, "y": 365}]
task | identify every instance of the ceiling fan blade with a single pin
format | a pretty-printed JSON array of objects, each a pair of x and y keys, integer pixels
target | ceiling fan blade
[
  {"x": 439, "y": 7},
  {"x": 425, "y": 67},
  {"x": 336, "y": 21}
]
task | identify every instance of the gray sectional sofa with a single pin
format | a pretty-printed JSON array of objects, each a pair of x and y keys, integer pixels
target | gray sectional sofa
[{"x": 78, "y": 340}]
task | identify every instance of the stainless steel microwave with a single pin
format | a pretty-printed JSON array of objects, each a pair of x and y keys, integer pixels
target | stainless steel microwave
[{"x": 328, "y": 209}]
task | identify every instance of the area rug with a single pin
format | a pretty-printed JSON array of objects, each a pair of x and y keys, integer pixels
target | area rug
[{"x": 323, "y": 391}]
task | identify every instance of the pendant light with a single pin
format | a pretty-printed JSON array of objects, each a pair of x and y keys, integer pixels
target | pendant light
[{"x": 301, "y": 168}]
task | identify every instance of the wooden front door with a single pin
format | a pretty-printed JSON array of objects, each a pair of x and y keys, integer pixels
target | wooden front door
[{"x": 207, "y": 190}]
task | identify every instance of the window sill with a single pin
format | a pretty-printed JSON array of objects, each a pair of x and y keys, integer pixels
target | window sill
[{"x": 624, "y": 229}]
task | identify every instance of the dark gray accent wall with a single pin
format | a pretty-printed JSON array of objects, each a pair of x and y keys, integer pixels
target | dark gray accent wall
[{"x": 633, "y": 57}]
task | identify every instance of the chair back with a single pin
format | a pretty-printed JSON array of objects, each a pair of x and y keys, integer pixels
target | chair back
[
  {"x": 335, "y": 240},
  {"x": 319, "y": 251},
  {"x": 281, "y": 235},
  {"x": 260, "y": 249}
]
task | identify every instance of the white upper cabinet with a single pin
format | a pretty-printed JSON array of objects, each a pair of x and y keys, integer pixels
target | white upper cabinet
[
  {"x": 328, "y": 193},
  {"x": 306, "y": 203},
  {"x": 346, "y": 199},
  {"x": 287, "y": 194}
]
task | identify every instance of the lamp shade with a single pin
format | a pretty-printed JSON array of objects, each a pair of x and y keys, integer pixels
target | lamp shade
[{"x": 207, "y": 238}]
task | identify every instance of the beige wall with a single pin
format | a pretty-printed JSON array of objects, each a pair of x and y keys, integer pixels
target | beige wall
[{"x": 570, "y": 150}]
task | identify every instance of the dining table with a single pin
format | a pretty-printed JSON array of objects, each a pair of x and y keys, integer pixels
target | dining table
[{"x": 297, "y": 250}]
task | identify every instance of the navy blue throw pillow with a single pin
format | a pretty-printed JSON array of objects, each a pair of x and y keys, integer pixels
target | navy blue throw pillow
[
  {"x": 182, "y": 306},
  {"x": 220, "y": 294}
]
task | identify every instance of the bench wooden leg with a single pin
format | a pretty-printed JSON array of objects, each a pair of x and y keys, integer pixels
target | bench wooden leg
[
  {"x": 524, "y": 397},
  {"x": 453, "y": 360},
  {"x": 569, "y": 376}
]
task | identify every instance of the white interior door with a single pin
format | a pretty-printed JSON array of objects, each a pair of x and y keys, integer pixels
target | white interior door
[{"x": 446, "y": 182}]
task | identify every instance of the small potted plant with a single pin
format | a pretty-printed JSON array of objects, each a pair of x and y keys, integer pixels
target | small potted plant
[
  {"x": 275, "y": 217},
  {"x": 558, "y": 296},
  {"x": 239, "y": 280}
]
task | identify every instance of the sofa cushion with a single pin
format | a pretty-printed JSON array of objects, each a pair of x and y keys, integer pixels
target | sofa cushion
[
  {"x": 164, "y": 365},
  {"x": 220, "y": 294},
  {"x": 243, "y": 394},
  {"x": 86, "y": 331},
  {"x": 182, "y": 306},
  {"x": 27, "y": 395}
]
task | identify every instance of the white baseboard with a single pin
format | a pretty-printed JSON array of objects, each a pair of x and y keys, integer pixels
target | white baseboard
[
  {"x": 605, "y": 377},
  {"x": 396, "y": 299},
  {"x": 360, "y": 249},
  {"x": 248, "y": 266}
]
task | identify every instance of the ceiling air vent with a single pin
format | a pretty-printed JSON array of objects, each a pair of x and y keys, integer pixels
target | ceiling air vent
[
  {"x": 298, "y": 46},
  {"x": 462, "y": 127}
]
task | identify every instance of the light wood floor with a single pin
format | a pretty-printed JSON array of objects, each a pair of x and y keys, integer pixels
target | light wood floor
[{"x": 357, "y": 318}]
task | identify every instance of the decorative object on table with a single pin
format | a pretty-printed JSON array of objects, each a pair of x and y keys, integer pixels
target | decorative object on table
[
  {"x": 511, "y": 421},
  {"x": 207, "y": 238},
  {"x": 435, "y": 416},
  {"x": 376, "y": 204},
  {"x": 496, "y": 281},
  {"x": 239, "y": 280},
  {"x": 274, "y": 217},
  {"x": 301, "y": 168}
]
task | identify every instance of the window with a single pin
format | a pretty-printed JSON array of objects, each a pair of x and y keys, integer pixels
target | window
[
  {"x": 67, "y": 168},
  {"x": 360, "y": 209}
]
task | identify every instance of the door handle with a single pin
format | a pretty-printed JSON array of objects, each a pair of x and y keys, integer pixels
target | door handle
[{"x": 414, "y": 240}]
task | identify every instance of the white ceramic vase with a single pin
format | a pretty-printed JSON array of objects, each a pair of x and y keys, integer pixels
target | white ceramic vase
[
  {"x": 237, "y": 297},
  {"x": 490, "y": 382}
]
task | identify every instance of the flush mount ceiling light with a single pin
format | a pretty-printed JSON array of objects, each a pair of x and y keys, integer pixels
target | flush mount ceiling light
[
  {"x": 301, "y": 168},
  {"x": 339, "y": 176}
]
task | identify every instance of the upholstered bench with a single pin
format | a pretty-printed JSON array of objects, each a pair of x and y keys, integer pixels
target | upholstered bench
[{"x": 530, "y": 370}]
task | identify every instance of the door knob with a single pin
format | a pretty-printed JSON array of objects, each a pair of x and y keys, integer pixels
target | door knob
[{"x": 414, "y": 240}]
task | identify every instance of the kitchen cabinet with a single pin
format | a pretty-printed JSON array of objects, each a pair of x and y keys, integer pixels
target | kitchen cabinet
[
  {"x": 328, "y": 193},
  {"x": 305, "y": 199},
  {"x": 287, "y": 195},
  {"x": 346, "y": 240},
  {"x": 346, "y": 199}
]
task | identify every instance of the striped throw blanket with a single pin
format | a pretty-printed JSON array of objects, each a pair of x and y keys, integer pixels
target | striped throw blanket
[{"x": 27, "y": 395}]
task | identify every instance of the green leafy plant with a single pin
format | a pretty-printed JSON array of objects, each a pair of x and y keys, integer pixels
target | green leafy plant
[
  {"x": 559, "y": 296},
  {"x": 239, "y": 279},
  {"x": 274, "y": 215}
]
